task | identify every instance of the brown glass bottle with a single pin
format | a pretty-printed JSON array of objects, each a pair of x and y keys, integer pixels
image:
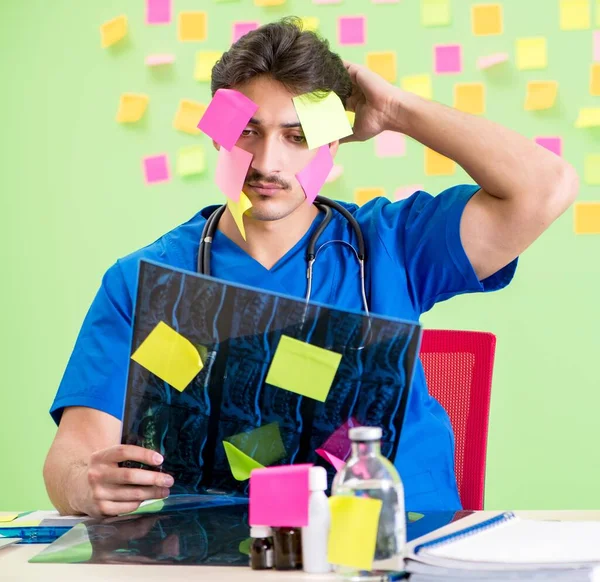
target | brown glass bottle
[
  {"x": 261, "y": 548},
  {"x": 288, "y": 548}
]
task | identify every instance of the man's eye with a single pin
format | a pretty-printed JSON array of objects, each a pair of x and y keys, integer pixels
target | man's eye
[
  {"x": 246, "y": 132},
  {"x": 298, "y": 139}
]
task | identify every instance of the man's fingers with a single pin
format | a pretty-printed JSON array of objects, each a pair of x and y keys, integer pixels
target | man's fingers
[
  {"x": 143, "y": 477},
  {"x": 131, "y": 493},
  {"x": 120, "y": 453},
  {"x": 106, "y": 507}
]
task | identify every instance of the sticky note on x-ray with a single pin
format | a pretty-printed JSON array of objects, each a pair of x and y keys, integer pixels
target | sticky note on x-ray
[
  {"x": 227, "y": 116},
  {"x": 353, "y": 533},
  {"x": 303, "y": 368},
  {"x": 322, "y": 117},
  {"x": 241, "y": 465},
  {"x": 170, "y": 356}
]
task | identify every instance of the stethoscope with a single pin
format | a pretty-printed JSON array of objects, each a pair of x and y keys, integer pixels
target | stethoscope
[{"x": 323, "y": 204}]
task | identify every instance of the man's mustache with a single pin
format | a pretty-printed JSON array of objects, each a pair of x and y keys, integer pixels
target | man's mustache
[{"x": 256, "y": 177}]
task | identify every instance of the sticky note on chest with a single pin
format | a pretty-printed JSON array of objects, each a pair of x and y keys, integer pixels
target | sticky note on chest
[
  {"x": 170, "y": 356},
  {"x": 303, "y": 368}
]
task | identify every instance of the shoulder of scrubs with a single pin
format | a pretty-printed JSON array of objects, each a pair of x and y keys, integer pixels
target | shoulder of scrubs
[
  {"x": 96, "y": 374},
  {"x": 421, "y": 234}
]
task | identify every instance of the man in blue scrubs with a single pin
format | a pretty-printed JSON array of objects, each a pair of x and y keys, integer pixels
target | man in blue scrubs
[{"x": 420, "y": 251}]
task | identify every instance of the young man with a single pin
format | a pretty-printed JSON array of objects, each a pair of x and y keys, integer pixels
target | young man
[{"x": 420, "y": 251}]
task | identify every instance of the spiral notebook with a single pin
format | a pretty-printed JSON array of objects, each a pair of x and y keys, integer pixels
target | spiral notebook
[{"x": 508, "y": 542}]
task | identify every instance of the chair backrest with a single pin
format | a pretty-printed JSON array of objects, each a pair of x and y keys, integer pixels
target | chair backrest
[{"x": 458, "y": 368}]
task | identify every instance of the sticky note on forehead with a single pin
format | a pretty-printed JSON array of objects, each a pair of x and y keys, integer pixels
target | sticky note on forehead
[
  {"x": 322, "y": 117},
  {"x": 170, "y": 356},
  {"x": 226, "y": 116}
]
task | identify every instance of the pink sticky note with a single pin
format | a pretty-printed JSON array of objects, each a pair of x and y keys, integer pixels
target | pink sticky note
[
  {"x": 231, "y": 172},
  {"x": 596, "y": 55},
  {"x": 554, "y": 144},
  {"x": 156, "y": 169},
  {"x": 406, "y": 191},
  {"x": 314, "y": 175},
  {"x": 226, "y": 116},
  {"x": 279, "y": 496},
  {"x": 351, "y": 30},
  {"x": 448, "y": 58},
  {"x": 242, "y": 28},
  {"x": 332, "y": 459},
  {"x": 335, "y": 173},
  {"x": 158, "y": 11},
  {"x": 156, "y": 60},
  {"x": 390, "y": 144},
  {"x": 339, "y": 444},
  {"x": 491, "y": 60}
]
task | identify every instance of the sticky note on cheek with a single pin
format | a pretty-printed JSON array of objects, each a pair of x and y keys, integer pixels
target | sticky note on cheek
[
  {"x": 170, "y": 356},
  {"x": 232, "y": 169},
  {"x": 303, "y": 368},
  {"x": 353, "y": 532},
  {"x": 314, "y": 175}
]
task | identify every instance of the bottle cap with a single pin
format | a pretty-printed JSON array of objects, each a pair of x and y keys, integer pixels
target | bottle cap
[
  {"x": 317, "y": 479},
  {"x": 260, "y": 531},
  {"x": 365, "y": 433}
]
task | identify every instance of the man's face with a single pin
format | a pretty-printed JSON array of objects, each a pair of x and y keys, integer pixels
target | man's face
[{"x": 279, "y": 151}]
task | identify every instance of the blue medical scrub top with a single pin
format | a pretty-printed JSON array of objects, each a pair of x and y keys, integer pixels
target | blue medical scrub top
[{"x": 415, "y": 258}]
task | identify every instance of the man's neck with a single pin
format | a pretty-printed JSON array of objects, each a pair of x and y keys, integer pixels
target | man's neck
[{"x": 267, "y": 241}]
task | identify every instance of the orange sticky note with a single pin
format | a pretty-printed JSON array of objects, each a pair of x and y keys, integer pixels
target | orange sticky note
[
  {"x": 587, "y": 217},
  {"x": 188, "y": 115},
  {"x": 486, "y": 19},
  {"x": 595, "y": 79},
  {"x": 113, "y": 31},
  {"x": 132, "y": 107},
  {"x": 384, "y": 64},
  {"x": 540, "y": 95},
  {"x": 470, "y": 97},
  {"x": 363, "y": 195},
  {"x": 532, "y": 53},
  {"x": 438, "y": 165},
  {"x": 192, "y": 26}
]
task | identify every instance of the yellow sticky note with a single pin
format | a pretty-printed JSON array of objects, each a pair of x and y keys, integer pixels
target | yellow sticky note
[
  {"x": 191, "y": 161},
  {"x": 532, "y": 53},
  {"x": 351, "y": 116},
  {"x": 8, "y": 517},
  {"x": 132, "y": 107},
  {"x": 310, "y": 23},
  {"x": 470, "y": 97},
  {"x": 363, "y": 195},
  {"x": 192, "y": 26},
  {"x": 419, "y": 84},
  {"x": 588, "y": 117},
  {"x": 486, "y": 19},
  {"x": 205, "y": 61},
  {"x": 269, "y": 2},
  {"x": 238, "y": 209},
  {"x": 384, "y": 64},
  {"x": 241, "y": 465},
  {"x": 587, "y": 217},
  {"x": 170, "y": 356},
  {"x": 353, "y": 532},
  {"x": 24, "y": 523},
  {"x": 188, "y": 115},
  {"x": 575, "y": 14},
  {"x": 591, "y": 170},
  {"x": 323, "y": 119},
  {"x": 303, "y": 368},
  {"x": 435, "y": 12},
  {"x": 540, "y": 95},
  {"x": 598, "y": 13},
  {"x": 595, "y": 79},
  {"x": 438, "y": 165},
  {"x": 113, "y": 31}
]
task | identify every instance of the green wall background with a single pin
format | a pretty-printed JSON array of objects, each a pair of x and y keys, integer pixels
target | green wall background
[{"x": 73, "y": 200}]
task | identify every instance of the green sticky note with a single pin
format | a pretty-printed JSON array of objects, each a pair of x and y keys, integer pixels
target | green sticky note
[
  {"x": 151, "y": 507},
  {"x": 435, "y": 12},
  {"x": 303, "y": 368},
  {"x": 244, "y": 546},
  {"x": 414, "y": 516},
  {"x": 263, "y": 444},
  {"x": 190, "y": 161},
  {"x": 241, "y": 465},
  {"x": 323, "y": 118},
  {"x": 592, "y": 169}
]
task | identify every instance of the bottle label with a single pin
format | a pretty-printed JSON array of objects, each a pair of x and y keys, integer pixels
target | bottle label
[{"x": 269, "y": 558}]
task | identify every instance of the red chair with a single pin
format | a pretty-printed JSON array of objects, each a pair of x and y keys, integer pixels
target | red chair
[{"x": 458, "y": 368}]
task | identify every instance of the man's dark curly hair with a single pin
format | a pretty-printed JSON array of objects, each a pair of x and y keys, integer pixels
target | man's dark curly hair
[{"x": 299, "y": 59}]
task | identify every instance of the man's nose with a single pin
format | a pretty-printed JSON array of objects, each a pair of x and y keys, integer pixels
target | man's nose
[{"x": 266, "y": 158}]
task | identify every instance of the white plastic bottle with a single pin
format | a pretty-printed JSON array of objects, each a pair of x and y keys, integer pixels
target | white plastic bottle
[{"x": 316, "y": 533}]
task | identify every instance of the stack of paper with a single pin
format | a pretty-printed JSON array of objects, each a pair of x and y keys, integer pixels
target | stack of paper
[{"x": 507, "y": 547}]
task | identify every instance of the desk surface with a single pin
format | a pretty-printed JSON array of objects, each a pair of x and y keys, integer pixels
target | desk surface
[{"x": 14, "y": 565}]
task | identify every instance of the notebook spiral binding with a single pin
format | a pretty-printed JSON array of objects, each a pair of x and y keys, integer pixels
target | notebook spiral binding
[{"x": 492, "y": 522}]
